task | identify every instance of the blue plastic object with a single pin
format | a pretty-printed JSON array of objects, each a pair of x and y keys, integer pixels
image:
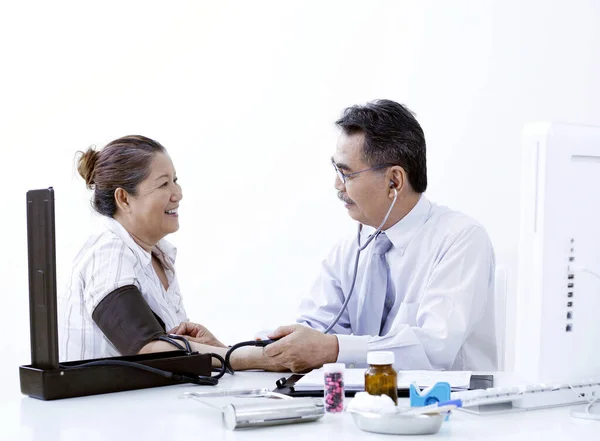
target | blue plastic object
[{"x": 435, "y": 394}]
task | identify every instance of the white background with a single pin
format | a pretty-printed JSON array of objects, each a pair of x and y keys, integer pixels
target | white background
[{"x": 244, "y": 96}]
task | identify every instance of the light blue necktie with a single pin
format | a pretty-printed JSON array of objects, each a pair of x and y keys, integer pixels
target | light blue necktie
[{"x": 374, "y": 289}]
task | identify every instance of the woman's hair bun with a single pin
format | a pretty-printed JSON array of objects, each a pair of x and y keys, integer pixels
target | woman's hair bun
[{"x": 86, "y": 166}]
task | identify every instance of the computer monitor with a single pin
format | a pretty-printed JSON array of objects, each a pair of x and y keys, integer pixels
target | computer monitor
[{"x": 558, "y": 289}]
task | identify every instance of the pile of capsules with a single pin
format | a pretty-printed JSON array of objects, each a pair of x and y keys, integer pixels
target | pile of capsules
[{"x": 334, "y": 392}]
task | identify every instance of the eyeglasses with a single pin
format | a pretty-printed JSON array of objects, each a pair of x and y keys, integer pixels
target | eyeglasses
[{"x": 344, "y": 176}]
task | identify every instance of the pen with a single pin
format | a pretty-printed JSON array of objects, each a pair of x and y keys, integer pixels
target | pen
[{"x": 441, "y": 407}]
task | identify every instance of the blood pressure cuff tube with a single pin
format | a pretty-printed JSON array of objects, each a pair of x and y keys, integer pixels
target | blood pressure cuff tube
[{"x": 127, "y": 321}]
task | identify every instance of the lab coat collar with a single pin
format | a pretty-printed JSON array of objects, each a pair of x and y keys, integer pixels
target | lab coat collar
[{"x": 162, "y": 247}]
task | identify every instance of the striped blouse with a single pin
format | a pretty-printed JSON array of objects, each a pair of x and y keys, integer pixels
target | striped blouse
[{"x": 109, "y": 260}]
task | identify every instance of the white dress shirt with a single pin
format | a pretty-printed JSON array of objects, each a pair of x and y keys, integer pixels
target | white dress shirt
[
  {"x": 110, "y": 260},
  {"x": 439, "y": 308}
]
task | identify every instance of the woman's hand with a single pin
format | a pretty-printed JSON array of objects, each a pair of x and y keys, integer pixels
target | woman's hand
[{"x": 197, "y": 333}]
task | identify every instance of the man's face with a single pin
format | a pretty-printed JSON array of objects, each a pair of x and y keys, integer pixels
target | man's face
[{"x": 365, "y": 195}]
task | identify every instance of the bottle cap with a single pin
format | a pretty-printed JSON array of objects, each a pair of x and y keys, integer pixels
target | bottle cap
[
  {"x": 334, "y": 367},
  {"x": 380, "y": 357}
]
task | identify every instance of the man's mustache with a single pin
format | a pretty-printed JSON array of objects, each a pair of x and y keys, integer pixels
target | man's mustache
[{"x": 342, "y": 197}]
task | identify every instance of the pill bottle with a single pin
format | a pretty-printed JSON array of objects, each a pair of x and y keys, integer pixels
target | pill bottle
[
  {"x": 333, "y": 382},
  {"x": 381, "y": 378}
]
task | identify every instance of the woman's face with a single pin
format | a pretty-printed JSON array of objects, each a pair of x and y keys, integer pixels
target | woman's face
[{"x": 154, "y": 210}]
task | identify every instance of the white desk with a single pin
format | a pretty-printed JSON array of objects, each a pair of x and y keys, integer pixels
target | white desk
[{"x": 158, "y": 414}]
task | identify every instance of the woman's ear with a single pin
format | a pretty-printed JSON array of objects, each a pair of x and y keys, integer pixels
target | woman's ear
[{"x": 122, "y": 199}]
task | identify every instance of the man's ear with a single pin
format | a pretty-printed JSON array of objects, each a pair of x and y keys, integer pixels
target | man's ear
[
  {"x": 398, "y": 178},
  {"x": 122, "y": 199}
]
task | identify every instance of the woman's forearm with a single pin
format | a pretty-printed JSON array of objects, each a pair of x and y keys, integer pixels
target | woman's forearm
[
  {"x": 241, "y": 359},
  {"x": 252, "y": 357},
  {"x": 206, "y": 349},
  {"x": 244, "y": 358},
  {"x": 157, "y": 346},
  {"x": 163, "y": 346}
]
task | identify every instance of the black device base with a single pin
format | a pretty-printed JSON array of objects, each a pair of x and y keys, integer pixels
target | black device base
[{"x": 72, "y": 379}]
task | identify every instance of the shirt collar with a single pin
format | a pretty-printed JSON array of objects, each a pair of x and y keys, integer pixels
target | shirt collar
[
  {"x": 402, "y": 232},
  {"x": 144, "y": 256}
]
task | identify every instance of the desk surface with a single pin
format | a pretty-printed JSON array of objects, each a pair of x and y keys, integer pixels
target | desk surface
[{"x": 159, "y": 414}]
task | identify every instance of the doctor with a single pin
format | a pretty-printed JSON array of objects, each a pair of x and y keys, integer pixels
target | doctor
[{"x": 424, "y": 286}]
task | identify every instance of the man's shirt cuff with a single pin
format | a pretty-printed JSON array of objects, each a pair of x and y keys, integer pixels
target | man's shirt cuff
[{"x": 353, "y": 350}]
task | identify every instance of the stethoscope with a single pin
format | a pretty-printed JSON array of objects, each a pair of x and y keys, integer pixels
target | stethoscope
[
  {"x": 356, "y": 259},
  {"x": 263, "y": 343}
]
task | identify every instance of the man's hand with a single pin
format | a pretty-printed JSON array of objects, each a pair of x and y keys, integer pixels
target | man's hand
[
  {"x": 301, "y": 348},
  {"x": 196, "y": 333}
]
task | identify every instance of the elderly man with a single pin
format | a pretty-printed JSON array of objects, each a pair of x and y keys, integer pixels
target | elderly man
[{"x": 423, "y": 286}]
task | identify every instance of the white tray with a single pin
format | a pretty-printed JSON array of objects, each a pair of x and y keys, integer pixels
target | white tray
[{"x": 398, "y": 424}]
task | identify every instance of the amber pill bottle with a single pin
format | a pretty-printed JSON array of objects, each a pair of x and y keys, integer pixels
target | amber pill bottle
[{"x": 381, "y": 378}]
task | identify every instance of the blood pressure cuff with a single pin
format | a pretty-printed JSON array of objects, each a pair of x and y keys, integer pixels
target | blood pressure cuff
[{"x": 127, "y": 321}]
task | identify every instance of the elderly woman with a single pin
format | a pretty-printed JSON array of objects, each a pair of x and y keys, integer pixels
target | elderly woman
[{"x": 123, "y": 293}]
